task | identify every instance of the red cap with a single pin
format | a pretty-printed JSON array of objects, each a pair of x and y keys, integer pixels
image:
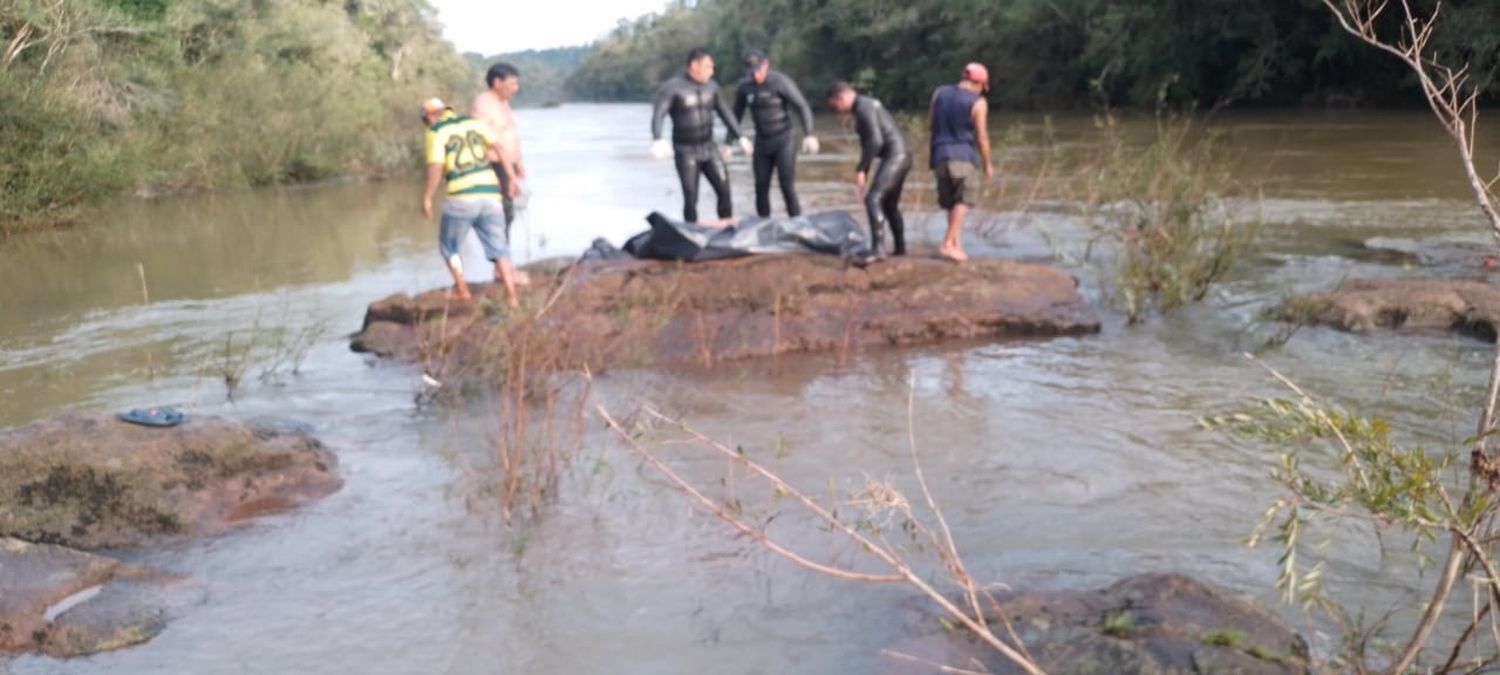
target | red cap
[{"x": 976, "y": 72}]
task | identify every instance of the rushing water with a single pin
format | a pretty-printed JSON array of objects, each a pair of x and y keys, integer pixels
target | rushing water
[{"x": 1061, "y": 463}]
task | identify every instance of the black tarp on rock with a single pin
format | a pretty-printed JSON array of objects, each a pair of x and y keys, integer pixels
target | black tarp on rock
[{"x": 830, "y": 232}]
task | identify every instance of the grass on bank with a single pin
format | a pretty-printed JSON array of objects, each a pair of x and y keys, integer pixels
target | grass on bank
[{"x": 104, "y": 98}]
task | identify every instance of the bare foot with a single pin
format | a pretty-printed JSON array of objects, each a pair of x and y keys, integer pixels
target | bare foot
[
  {"x": 460, "y": 294},
  {"x": 953, "y": 253},
  {"x": 522, "y": 278}
]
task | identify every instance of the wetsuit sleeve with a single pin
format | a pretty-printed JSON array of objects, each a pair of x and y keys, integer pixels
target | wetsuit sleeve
[
  {"x": 790, "y": 92},
  {"x": 741, "y": 100},
  {"x": 870, "y": 138},
  {"x": 659, "y": 110},
  {"x": 725, "y": 114}
]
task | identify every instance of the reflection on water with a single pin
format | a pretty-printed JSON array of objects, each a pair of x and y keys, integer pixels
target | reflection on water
[{"x": 1060, "y": 463}]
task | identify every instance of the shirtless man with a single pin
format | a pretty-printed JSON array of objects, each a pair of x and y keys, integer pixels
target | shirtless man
[{"x": 493, "y": 109}]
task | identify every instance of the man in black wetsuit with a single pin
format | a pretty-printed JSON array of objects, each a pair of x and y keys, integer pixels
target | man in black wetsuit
[
  {"x": 878, "y": 137},
  {"x": 772, "y": 98},
  {"x": 693, "y": 98}
]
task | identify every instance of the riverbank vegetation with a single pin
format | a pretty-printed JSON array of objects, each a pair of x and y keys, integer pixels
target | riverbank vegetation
[
  {"x": 106, "y": 97},
  {"x": 1043, "y": 54},
  {"x": 1341, "y": 467},
  {"x": 544, "y": 72}
]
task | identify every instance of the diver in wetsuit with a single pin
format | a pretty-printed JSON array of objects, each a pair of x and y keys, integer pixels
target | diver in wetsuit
[
  {"x": 692, "y": 99},
  {"x": 772, "y": 98},
  {"x": 878, "y": 137}
]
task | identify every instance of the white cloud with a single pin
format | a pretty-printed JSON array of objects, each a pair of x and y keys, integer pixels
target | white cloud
[{"x": 496, "y": 26}]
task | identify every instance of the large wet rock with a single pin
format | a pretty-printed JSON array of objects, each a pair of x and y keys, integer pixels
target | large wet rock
[
  {"x": 1158, "y": 624},
  {"x": 647, "y": 312},
  {"x": 92, "y": 481},
  {"x": 64, "y": 603},
  {"x": 1417, "y": 305}
]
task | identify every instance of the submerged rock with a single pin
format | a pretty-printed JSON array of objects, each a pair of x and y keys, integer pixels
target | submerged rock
[
  {"x": 648, "y": 313},
  {"x": 1417, "y": 305},
  {"x": 65, "y": 603},
  {"x": 92, "y": 481},
  {"x": 1160, "y": 624},
  {"x": 1458, "y": 256}
]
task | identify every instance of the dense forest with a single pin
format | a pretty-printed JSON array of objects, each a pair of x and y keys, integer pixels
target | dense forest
[
  {"x": 544, "y": 72},
  {"x": 100, "y": 97},
  {"x": 1042, "y": 53}
]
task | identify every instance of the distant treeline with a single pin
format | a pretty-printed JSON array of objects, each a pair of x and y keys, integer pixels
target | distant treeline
[
  {"x": 1043, "y": 53},
  {"x": 544, "y": 72},
  {"x": 103, "y": 97}
]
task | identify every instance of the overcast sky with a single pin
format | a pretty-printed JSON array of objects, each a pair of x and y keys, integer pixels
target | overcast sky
[{"x": 499, "y": 26}]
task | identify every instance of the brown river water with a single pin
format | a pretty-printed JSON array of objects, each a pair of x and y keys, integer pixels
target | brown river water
[{"x": 1060, "y": 464}]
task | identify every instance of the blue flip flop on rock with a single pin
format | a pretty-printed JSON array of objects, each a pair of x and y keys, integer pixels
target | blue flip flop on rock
[{"x": 154, "y": 417}]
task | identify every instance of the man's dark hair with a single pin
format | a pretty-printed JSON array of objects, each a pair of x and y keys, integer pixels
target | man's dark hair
[
  {"x": 698, "y": 54},
  {"x": 838, "y": 88},
  {"x": 500, "y": 71}
]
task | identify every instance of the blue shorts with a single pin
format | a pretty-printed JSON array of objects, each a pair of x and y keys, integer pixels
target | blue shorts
[{"x": 485, "y": 216}]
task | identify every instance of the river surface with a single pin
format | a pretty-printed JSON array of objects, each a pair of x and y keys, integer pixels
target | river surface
[{"x": 1060, "y": 464}]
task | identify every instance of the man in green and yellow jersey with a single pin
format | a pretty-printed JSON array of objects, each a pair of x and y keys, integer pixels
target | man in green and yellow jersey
[{"x": 456, "y": 151}]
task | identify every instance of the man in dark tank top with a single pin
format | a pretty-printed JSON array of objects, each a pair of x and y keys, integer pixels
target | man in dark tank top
[{"x": 958, "y": 120}]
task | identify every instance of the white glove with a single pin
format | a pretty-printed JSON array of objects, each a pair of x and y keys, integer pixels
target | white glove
[
  {"x": 746, "y": 146},
  {"x": 810, "y": 145},
  {"x": 661, "y": 148}
]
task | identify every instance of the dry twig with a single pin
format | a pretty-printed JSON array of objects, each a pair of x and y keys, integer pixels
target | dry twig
[{"x": 901, "y": 569}]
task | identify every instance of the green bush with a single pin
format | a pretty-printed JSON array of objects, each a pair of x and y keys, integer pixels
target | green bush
[
  {"x": 53, "y": 159},
  {"x": 109, "y": 95},
  {"x": 1159, "y": 209}
]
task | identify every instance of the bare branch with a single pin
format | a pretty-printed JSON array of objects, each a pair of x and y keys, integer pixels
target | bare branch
[
  {"x": 971, "y": 589},
  {"x": 903, "y": 570},
  {"x": 1482, "y": 667},
  {"x": 911, "y": 437},
  {"x": 758, "y": 535},
  {"x": 1492, "y": 575},
  {"x": 1455, "y": 104},
  {"x": 1463, "y": 639},
  {"x": 910, "y": 658},
  {"x": 20, "y": 43}
]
